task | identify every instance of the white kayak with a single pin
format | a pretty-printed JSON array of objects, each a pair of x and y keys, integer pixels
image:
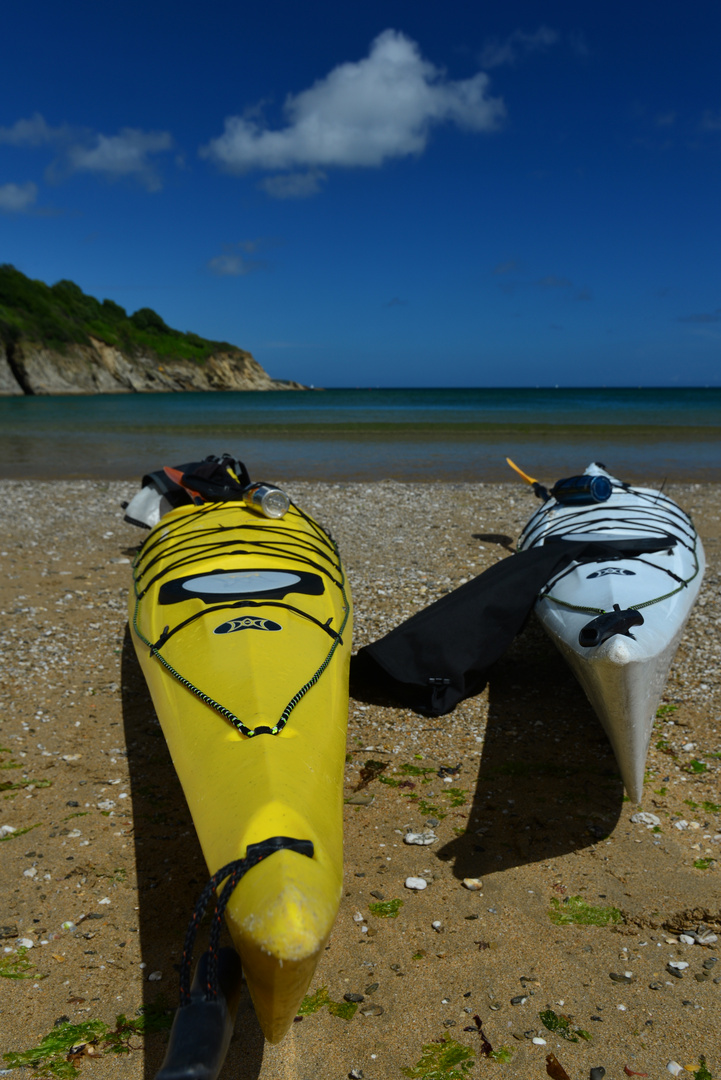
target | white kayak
[{"x": 618, "y": 621}]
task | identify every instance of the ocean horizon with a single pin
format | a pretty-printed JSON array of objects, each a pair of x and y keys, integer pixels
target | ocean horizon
[{"x": 418, "y": 434}]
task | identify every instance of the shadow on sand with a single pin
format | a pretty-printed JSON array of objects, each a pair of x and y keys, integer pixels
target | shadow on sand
[
  {"x": 548, "y": 783},
  {"x": 171, "y": 872}
]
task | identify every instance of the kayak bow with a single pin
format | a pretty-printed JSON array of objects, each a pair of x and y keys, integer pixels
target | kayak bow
[
  {"x": 242, "y": 626},
  {"x": 618, "y": 620}
]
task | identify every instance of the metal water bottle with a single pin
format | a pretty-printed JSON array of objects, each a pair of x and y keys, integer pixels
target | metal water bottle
[
  {"x": 267, "y": 499},
  {"x": 578, "y": 490}
]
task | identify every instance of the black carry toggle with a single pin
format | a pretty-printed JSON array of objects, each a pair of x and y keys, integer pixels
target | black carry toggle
[
  {"x": 202, "y": 1029},
  {"x": 605, "y": 626},
  {"x": 203, "y": 1024}
]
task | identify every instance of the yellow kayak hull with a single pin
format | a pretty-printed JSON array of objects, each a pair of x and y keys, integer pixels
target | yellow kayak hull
[{"x": 242, "y": 623}]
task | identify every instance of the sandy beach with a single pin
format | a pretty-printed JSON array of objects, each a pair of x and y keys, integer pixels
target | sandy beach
[{"x": 103, "y": 868}]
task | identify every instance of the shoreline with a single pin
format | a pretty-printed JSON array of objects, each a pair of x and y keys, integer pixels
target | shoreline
[
  {"x": 350, "y": 459},
  {"x": 540, "y": 817}
]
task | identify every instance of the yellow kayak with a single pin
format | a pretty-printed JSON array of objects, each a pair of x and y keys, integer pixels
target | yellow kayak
[{"x": 242, "y": 626}]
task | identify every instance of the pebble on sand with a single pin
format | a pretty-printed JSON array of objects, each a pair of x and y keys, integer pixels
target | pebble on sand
[
  {"x": 417, "y": 883},
  {"x": 475, "y": 884},
  {"x": 421, "y": 838},
  {"x": 644, "y": 818}
]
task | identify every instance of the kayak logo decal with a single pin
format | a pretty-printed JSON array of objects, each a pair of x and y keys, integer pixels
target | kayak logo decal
[
  {"x": 611, "y": 570},
  {"x": 247, "y": 622}
]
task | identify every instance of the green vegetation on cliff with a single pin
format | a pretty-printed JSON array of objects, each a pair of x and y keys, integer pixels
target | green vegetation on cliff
[{"x": 62, "y": 314}]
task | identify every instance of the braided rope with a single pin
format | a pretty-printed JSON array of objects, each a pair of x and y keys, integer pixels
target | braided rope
[{"x": 234, "y": 872}]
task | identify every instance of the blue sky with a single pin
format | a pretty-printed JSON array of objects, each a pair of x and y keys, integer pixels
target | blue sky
[{"x": 396, "y": 194}]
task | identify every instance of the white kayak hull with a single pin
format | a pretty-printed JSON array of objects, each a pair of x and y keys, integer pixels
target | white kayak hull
[{"x": 624, "y": 676}]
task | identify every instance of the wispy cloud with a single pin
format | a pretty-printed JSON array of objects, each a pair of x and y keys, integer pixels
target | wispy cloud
[
  {"x": 711, "y": 121},
  {"x": 506, "y": 267},
  {"x": 360, "y": 115},
  {"x": 293, "y": 185},
  {"x": 553, "y": 282},
  {"x": 17, "y": 198},
  {"x": 702, "y": 317},
  {"x": 130, "y": 153},
  {"x": 34, "y": 131},
  {"x": 578, "y": 43},
  {"x": 396, "y": 302},
  {"x": 511, "y": 50},
  {"x": 234, "y": 261}
]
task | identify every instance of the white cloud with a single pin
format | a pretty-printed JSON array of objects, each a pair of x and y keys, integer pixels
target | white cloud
[
  {"x": 126, "y": 154},
  {"x": 360, "y": 115},
  {"x": 15, "y": 198},
  {"x": 495, "y": 52}
]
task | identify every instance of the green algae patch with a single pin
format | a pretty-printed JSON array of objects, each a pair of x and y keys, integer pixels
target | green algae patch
[
  {"x": 51, "y": 1057},
  {"x": 575, "y": 910},
  {"x": 456, "y": 795},
  {"x": 17, "y": 966},
  {"x": 20, "y": 832},
  {"x": 312, "y": 1003},
  {"x": 703, "y": 864},
  {"x": 346, "y": 1010},
  {"x": 561, "y": 1025},
  {"x": 444, "y": 1060},
  {"x": 386, "y": 909},
  {"x": 416, "y": 770},
  {"x": 389, "y": 781},
  {"x": 57, "y": 1054},
  {"x": 26, "y": 782}
]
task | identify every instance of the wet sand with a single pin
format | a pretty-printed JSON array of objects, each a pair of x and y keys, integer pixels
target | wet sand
[{"x": 536, "y": 812}]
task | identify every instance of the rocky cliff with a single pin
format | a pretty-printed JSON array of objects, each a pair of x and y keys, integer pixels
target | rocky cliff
[{"x": 27, "y": 367}]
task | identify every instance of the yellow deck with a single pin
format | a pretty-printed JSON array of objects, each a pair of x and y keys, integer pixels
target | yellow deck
[{"x": 250, "y": 654}]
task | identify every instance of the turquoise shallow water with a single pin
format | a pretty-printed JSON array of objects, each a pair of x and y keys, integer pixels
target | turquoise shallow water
[{"x": 362, "y": 434}]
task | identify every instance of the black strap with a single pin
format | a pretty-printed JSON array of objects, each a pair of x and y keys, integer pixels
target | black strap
[{"x": 441, "y": 654}]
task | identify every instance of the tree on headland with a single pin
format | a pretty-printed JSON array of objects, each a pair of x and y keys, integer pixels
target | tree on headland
[{"x": 62, "y": 314}]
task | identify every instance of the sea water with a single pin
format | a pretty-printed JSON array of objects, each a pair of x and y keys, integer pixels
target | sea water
[{"x": 343, "y": 435}]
